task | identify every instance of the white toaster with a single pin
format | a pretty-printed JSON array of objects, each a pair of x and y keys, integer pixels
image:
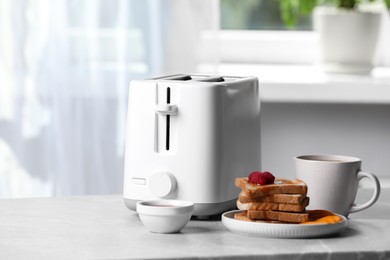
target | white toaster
[{"x": 188, "y": 137}]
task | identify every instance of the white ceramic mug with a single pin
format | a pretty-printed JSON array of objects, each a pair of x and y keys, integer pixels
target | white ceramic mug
[{"x": 333, "y": 181}]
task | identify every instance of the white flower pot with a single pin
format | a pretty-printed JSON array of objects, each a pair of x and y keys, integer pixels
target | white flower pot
[{"x": 347, "y": 39}]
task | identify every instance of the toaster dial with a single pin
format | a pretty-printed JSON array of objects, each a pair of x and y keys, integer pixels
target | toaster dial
[{"x": 162, "y": 184}]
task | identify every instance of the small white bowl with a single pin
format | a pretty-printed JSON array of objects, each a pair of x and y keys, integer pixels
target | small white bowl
[{"x": 165, "y": 216}]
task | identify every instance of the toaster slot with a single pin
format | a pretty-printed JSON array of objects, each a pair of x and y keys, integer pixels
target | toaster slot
[
  {"x": 213, "y": 79},
  {"x": 166, "y": 112},
  {"x": 199, "y": 77},
  {"x": 179, "y": 77},
  {"x": 231, "y": 78},
  {"x": 168, "y": 121}
]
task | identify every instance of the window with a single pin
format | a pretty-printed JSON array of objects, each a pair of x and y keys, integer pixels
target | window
[
  {"x": 257, "y": 28},
  {"x": 252, "y": 31},
  {"x": 257, "y": 15}
]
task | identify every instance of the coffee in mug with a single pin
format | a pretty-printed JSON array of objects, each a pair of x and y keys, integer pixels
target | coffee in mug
[{"x": 333, "y": 181}]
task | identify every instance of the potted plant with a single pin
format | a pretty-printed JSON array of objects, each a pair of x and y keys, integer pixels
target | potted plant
[{"x": 347, "y": 34}]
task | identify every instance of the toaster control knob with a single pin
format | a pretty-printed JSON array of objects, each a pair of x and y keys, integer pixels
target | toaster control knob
[{"x": 162, "y": 184}]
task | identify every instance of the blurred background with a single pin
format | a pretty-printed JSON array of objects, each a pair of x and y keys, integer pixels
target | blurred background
[{"x": 65, "y": 67}]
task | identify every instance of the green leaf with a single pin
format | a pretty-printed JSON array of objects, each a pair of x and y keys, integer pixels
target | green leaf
[
  {"x": 347, "y": 4},
  {"x": 289, "y": 10},
  {"x": 306, "y": 6},
  {"x": 387, "y": 2}
]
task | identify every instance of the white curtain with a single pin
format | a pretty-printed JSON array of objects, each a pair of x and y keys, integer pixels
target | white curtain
[{"x": 65, "y": 66}]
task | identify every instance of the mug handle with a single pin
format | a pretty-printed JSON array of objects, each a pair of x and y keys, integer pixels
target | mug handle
[{"x": 375, "y": 196}]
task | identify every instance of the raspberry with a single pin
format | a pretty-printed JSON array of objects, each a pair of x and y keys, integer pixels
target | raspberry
[
  {"x": 269, "y": 177},
  {"x": 262, "y": 178}
]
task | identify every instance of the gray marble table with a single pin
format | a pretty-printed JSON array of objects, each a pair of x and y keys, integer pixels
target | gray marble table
[{"x": 100, "y": 227}]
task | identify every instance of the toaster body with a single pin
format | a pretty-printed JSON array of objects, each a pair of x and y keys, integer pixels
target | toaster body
[{"x": 188, "y": 137}]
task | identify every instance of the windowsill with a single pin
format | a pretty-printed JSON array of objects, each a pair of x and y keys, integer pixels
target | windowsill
[{"x": 308, "y": 84}]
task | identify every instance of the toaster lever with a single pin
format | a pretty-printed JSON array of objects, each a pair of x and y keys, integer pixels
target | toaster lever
[{"x": 166, "y": 109}]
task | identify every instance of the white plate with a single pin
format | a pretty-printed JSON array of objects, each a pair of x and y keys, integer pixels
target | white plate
[{"x": 273, "y": 230}]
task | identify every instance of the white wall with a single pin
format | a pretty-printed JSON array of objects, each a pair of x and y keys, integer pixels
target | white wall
[{"x": 359, "y": 130}]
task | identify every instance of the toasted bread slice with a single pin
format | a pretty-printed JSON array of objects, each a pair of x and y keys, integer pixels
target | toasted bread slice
[
  {"x": 244, "y": 197},
  {"x": 315, "y": 217},
  {"x": 280, "y": 186},
  {"x": 290, "y": 217},
  {"x": 274, "y": 206},
  {"x": 243, "y": 216}
]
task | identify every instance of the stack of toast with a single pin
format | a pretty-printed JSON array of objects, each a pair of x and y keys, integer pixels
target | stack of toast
[{"x": 283, "y": 201}]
